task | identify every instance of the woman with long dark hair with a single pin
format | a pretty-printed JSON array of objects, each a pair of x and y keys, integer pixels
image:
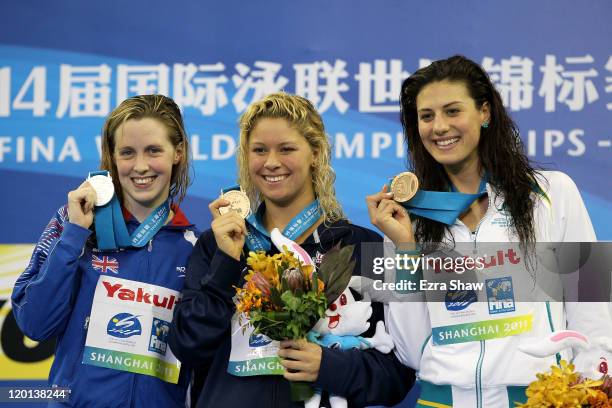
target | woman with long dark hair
[{"x": 462, "y": 141}]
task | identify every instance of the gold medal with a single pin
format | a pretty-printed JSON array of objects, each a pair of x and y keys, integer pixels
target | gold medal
[
  {"x": 239, "y": 202},
  {"x": 404, "y": 186}
]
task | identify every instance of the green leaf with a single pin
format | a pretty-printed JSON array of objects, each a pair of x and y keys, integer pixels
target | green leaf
[
  {"x": 275, "y": 297},
  {"x": 290, "y": 300},
  {"x": 336, "y": 271}
]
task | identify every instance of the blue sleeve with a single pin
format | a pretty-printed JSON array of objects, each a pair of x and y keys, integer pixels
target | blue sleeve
[
  {"x": 364, "y": 377},
  {"x": 44, "y": 293},
  {"x": 202, "y": 319}
]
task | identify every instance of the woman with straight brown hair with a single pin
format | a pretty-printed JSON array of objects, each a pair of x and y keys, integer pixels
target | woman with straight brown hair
[{"x": 107, "y": 293}]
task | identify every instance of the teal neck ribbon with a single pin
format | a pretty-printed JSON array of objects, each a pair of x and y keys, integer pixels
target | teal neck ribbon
[
  {"x": 258, "y": 238},
  {"x": 442, "y": 206},
  {"x": 111, "y": 231}
]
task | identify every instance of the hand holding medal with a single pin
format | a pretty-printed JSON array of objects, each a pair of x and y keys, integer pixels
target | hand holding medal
[
  {"x": 95, "y": 191},
  {"x": 386, "y": 212},
  {"x": 229, "y": 212}
]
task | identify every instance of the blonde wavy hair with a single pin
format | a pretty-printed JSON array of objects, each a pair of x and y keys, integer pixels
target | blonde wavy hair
[
  {"x": 304, "y": 118},
  {"x": 166, "y": 111}
]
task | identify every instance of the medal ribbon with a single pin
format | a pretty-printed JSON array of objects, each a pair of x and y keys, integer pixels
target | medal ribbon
[
  {"x": 258, "y": 238},
  {"x": 442, "y": 206},
  {"x": 111, "y": 231}
]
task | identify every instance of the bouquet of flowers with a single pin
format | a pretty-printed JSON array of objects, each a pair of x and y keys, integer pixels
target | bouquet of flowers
[
  {"x": 281, "y": 297},
  {"x": 564, "y": 388},
  {"x": 284, "y": 295}
]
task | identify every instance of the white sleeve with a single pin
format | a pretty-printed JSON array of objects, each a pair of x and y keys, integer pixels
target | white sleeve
[
  {"x": 407, "y": 320},
  {"x": 570, "y": 216},
  {"x": 573, "y": 224},
  {"x": 409, "y": 326}
]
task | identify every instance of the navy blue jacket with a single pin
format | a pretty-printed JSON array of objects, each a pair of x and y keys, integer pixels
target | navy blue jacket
[
  {"x": 53, "y": 298},
  {"x": 200, "y": 335}
]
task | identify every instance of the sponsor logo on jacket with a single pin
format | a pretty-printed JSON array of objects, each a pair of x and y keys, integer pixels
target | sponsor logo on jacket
[
  {"x": 459, "y": 299},
  {"x": 500, "y": 295},
  {"x": 140, "y": 295},
  {"x": 124, "y": 325},
  {"x": 258, "y": 340},
  {"x": 158, "y": 342}
]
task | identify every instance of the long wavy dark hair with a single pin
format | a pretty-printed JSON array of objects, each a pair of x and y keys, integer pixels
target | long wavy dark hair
[{"x": 500, "y": 150}]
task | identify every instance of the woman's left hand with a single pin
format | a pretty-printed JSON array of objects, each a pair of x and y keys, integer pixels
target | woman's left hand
[{"x": 301, "y": 360}]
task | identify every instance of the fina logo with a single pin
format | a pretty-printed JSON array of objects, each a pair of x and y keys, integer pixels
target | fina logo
[
  {"x": 459, "y": 299},
  {"x": 500, "y": 295},
  {"x": 159, "y": 336},
  {"x": 259, "y": 340},
  {"x": 124, "y": 325}
]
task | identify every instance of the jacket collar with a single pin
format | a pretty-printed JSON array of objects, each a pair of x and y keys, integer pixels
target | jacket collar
[
  {"x": 330, "y": 233},
  {"x": 179, "y": 219}
]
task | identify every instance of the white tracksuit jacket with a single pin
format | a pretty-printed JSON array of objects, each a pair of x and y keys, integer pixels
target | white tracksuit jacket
[{"x": 487, "y": 367}]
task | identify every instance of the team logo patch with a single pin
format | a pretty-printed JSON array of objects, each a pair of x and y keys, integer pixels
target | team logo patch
[
  {"x": 124, "y": 325},
  {"x": 105, "y": 264},
  {"x": 180, "y": 270},
  {"x": 500, "y": 295},
  {"x": 158, "y": 342},
  {"x": 259, "y": 340},
  {"x": 459, "y": 299}
]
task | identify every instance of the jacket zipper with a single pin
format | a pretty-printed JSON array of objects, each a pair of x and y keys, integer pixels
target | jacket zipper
[
  {"x": 274, "y": 387},
  {"x": 474, "y": 236},
  {"x": 479, "y": 374},
  {"x": 135, "y": 376},
  {"x": 133, "y": 398}
]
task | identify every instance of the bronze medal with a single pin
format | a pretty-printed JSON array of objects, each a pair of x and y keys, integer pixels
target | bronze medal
[
  {"x": 239, "y": 202},
  {"x": 404, "y": 186}
]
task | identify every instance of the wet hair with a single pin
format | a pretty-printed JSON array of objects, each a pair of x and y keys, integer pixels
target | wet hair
[
  {"x": 500, "y": 150},
  {"x": 166, "y": 111},
  {"x": 304, "y": 118}
]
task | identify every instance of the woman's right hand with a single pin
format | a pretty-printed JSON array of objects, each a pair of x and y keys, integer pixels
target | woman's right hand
[
  {"x": 81, "y": 204},
  {"x": 390, "y": 217},
  {"x": 229, "y": 229}
]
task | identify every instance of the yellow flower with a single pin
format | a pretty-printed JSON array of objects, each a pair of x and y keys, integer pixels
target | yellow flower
[
  {"x": 258, "y": 261},
  {"x": 265, "y": 265},
  {"x": 561, "y": 388}
]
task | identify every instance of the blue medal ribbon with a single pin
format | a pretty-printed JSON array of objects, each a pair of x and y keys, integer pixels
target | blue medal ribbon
[
  {"x": 258, "y": 238},
  {"x": 442, "y": 206},
  {"x": 111, "y": 231}
]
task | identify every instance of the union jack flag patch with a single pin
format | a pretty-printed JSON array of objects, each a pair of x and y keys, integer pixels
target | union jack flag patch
[{"x": 105, "y": 264}]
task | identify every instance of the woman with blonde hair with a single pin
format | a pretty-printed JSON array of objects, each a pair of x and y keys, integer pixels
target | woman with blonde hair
[{"x": 284, "y": 168}]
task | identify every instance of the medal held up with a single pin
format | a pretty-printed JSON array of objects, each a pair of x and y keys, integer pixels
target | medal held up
[
  {"x": 404, "y": 186},
  {"x": 441, "y": 206},
  {"x": 239, "y": 202},
  {"x": 111, "y": 231}
]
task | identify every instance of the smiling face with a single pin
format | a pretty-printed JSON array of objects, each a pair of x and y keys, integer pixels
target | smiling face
[
  {"x": 449, "y": 123},
  {"x": 345, "y": 316},
  {"x": 280, "y": 162},
  {"x": 144, "y": 158}
]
